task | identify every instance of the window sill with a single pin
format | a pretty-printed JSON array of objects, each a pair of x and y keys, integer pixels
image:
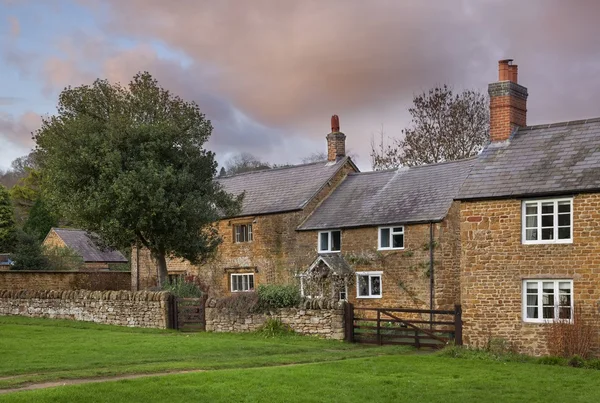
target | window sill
[
  {"x": 369, "y": 297},
  {"x": 561, "y": 242},
  {"x": 241, "y": 291},
  {"x": 545, "y": 321},
  {"x": 384, "y": 249},
  {"x": 329, "y": 251}
]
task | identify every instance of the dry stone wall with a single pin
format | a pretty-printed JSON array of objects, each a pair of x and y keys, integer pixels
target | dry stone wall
[
  {"x": 316, "y": 318},
  {"x": 122, "y": 308}
]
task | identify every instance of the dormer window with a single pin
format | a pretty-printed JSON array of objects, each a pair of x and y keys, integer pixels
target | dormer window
[
  {"x": 330, "y": 241},
  {"x": 242, "y": 233},
  {"x": 548, "y": 221}
]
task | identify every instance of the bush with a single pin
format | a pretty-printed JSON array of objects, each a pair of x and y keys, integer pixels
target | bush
[
  {"x": 184, "y": 287},
  {"x": 241, "y": 303},
  {"x": 576, "y": 362},
  {"x": 278, "y": 296},
  {"x": 567, "y": 339},
  {"x": 62, "y": 258},
  {"x": 275, "y": 328},
  {"x": 28, "y": 254}
]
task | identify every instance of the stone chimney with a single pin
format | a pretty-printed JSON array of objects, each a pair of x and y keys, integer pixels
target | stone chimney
[
  {"x": 508, "y": 102},
  {"x": 336, "y": 141}
]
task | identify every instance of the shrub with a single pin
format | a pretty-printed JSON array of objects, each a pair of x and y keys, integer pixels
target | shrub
[
  {"x": 275, "y": 328},
  {"x": 278, "y": 296},
  {"x": 576, "y": 361},
  {"x": 241, "y": 303},
  {"x": 568, "y": 339},
  {"x": 28, "y": 254},
  {"x": 62, "y": 258},
  {"x": 184, "y": 287}
]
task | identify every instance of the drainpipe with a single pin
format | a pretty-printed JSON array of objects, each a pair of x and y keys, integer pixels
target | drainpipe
[{"x": 431, "y": 276}]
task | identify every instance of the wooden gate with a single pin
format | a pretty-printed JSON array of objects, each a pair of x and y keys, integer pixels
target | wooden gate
[
  {"x": 187, "y": 314},
  {"x": 415, "y": 327}
]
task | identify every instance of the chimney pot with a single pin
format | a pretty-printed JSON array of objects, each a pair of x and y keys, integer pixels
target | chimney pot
[
  {"x": 335, "y": 124},
  {"x": 513, "y": 73}
]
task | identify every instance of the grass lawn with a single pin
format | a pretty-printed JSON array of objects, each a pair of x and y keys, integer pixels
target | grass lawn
[
  {"x": 244, "y": 369},
  {"x": 35, "y": 350}
]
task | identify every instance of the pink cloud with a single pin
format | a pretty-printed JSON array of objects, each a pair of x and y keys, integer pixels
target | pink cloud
[{"x": 17, "y": 130}]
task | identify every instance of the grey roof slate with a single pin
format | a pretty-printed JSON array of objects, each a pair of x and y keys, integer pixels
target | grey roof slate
[
  {"x": 80, "y": 242},
  {"x": 404, "y": 196},
  {"x": 280, "y": 189},
  {"x": 560, "y": 158}
]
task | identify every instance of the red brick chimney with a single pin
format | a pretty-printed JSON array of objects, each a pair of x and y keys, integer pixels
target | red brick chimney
[
  {"x": 508, "y": 102},
  {"x": 336, "y": 141}
]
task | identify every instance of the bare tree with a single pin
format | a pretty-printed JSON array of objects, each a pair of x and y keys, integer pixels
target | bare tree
[
  {"x": 315, "y": 157},
  {"x": 244, "y": 162},
  {"x": 444, "y": 127}
]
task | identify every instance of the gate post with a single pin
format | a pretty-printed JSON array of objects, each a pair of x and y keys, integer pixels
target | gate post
[
  {"x": 458, "y": 338},
  {"x": 349, "y": 322}
]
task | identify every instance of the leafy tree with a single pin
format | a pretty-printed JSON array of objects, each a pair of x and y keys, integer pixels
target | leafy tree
[
  {"x": 128, "y": 163},
  {"x": 244, "y": 162},
  {"x": 62, "y": 258},
  {"x": 28, "y": 254},
  {"x": 7, "y": 222},
  {"x": 40, "y": 220},
  {"x": 444, "y": 127},
  {"x": 25, "y": 193},
  {"x": 18, "y": 170}
]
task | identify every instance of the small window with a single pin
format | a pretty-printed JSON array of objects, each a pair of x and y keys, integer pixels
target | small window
[
  {"x": 547, "y": 300},
  {"x": 391, "y": 238},
  {"x": 548, "y": 221},
  {"x": 242, "y": 233},
  {"x": 330, "y": 241},
  {"x": 242, "y": 282},
  {"x": 368, "y": 284}
]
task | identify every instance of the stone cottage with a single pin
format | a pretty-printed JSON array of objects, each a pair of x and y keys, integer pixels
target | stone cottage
[
  {"x": 260, "y": 244},
  {"x": 94, "y": 256},
  {"x": 530, "y": 224}
]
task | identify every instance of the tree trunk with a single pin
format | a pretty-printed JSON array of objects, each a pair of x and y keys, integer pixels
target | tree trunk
[{"x": 161, "y": 268}]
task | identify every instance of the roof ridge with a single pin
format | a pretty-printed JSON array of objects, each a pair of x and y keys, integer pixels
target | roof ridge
[
  {"x": 276, "y": 169},
  {"x": 560, "y": 124}
]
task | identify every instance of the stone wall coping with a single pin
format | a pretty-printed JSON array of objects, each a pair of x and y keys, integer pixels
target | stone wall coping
[
  {"x": 306, "y": 303},
  {"x": 86, "y": 294},
  {"x": 59, "y": 271}
]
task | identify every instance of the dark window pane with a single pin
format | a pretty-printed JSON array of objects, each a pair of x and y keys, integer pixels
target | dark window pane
[
  {"x": 398, "y": 241},
  {"x": 564, "y": 233},
  {"x": 564, "y": 219},
  {"x": 375, "y": 285},
  {"x": 548, "y": 208},
  {"x": 251, "y": 281},
  {"x": 548, "y": 312},
  {"x": 363, "y": 286},
  {"x": 398, "y": 229},
  {"x": 564, "y": 207},
  {"x": 531, "y": 209},
  {"x": 324, "y": 241},
  {"x": 384, "y": 236},
  {"x": 336, "y": 240},
  {"x": 532, "y": 312},
  {"x": 564, "y": 313},
  {"x": 547, "y": 220},
  {"x": 531, "y": 234},
  {"x": 547, "y": 233}
]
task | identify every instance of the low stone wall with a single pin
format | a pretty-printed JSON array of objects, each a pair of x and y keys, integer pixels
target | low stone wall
[
  {"x": 123, "y": 308},
  {"x": 65, "y": 280},
  {"x": 325, "y": 320}
]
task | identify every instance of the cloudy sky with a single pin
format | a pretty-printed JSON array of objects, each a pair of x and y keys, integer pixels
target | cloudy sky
[{"x": 270, "y": 73}]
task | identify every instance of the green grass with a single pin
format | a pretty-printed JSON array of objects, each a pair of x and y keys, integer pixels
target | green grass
[
  {"x": 405, "y": 378},
  {"x": 35, "y": 350}
]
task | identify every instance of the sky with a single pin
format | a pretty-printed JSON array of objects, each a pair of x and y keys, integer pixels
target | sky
[{"x": 269, "y": 73}]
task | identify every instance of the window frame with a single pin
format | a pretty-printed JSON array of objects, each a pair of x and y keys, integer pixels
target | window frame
[
  {"x": 249, "y": 233},
  {"x": 540, "y": 304},
  {"x": 391, "y": 237},
  {"x": 370, "y": 274},
  {"x": 329, "y": 241},
  {"x": 555, "y": 226},
  {"x": 231, "y": 283}
]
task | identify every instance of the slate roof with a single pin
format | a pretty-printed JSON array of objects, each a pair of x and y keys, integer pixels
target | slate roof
[
  {"x": 335, "y": 262},
  {"x": 280, "y": 189},
  {"x": 80, "y": 242},
  {"x": 404, "y": 196},
  {"x": 559, "y": 158}
]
